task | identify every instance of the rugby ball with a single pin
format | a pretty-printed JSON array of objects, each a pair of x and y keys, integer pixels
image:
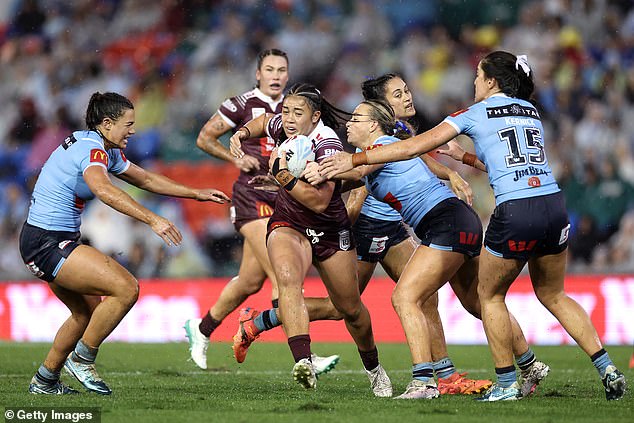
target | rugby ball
[{"x": 299, "y": 150}]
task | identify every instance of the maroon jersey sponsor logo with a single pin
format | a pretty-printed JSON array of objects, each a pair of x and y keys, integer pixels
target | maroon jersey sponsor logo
[
  {"x": 266, "y": 146},
  {"x": 263, "y": 209}
]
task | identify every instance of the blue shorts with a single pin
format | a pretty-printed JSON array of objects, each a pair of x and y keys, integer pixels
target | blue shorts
[
  {"x": 451, "y": 226},
  {"x": 375, "y": 237},
  {"x": 521, "y": 229},
  {"x": 44, "y": 252}
]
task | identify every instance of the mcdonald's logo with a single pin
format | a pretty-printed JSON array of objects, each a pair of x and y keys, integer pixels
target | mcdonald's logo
[
  {"x": 98, "y": 156},
  {"x": 263, "y": 209}
]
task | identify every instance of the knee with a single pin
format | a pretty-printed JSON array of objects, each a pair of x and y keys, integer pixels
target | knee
[
  {"x": 399, "y": 300},
  {"x": 330, "y": 312},
  {"x": 349, "y": 312},
  {"x": 127, "y": 289},
  {"x": 549, "y": 297},
  {"x": 484, "y": 294}
]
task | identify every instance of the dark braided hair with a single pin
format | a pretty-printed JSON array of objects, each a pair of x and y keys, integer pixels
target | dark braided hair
[
  {"x": 106, "y": 105},
  {"x": 512, "y": 81},
  {"x": 330, "y": 115},
  {"x": 374, "y": 89}
]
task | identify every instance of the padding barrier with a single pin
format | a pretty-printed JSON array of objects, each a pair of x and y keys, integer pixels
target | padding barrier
[{"x": 30, "y": 312}]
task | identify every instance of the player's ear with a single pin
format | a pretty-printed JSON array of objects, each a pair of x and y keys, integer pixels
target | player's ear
[{"x": 316, "y": 116}]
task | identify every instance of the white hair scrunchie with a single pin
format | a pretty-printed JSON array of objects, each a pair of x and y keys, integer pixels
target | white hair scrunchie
[{"x": 522, "y": 61}]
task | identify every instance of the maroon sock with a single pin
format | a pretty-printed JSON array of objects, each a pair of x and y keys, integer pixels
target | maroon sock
[
  {"x": 208, "y": 325},
  {"x": 370, "y": 358},
  {"x": 300, "y": 346}
]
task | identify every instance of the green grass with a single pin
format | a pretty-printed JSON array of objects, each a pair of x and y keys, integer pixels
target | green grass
[{"x": 156, "y": 383}]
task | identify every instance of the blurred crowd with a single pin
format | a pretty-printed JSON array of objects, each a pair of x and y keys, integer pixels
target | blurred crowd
[{"x": 177, "y": 60}]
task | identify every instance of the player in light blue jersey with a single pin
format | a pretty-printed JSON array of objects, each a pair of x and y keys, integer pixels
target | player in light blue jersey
[
  {"x": 530, "y": 222},
  {"x": 79, "y": 275},
  {"x": 383, "y": 238},
  {"x": 450, "y": 234}
]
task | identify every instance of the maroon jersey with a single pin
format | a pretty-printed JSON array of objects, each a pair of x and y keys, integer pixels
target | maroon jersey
[
  {"x": 236, "y": 111},
  {"x": 289, "y": 210}
]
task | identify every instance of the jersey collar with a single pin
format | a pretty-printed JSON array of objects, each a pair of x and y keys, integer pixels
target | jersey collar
[{"x": 259, "y": 94}]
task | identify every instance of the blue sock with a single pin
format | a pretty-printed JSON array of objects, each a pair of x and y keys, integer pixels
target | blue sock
[
  {"x": 83, "y": 353},
  {"x": 444, "y": 367},
  {"x": 525, "y": 360},
  {"x": 423, "y": 371},
  {"x": 46, "y": 376},
  {"x": 266, "y": 320},
  {"x": 506, "y": 376},
  {"x": 601, "y": 361}
]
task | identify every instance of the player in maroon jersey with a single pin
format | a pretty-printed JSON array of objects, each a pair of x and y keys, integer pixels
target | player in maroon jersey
[
  {"x": 251, "y": 208},
  {"x": 310, "y": 225}
]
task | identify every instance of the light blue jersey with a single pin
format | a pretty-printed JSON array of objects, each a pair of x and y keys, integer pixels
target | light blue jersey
[
  {"x": 61, "y": 193},
  {"x": 508, "y": 137},
  {"x": 378, "y": 210},
  {"x": 409, "y": 187}
]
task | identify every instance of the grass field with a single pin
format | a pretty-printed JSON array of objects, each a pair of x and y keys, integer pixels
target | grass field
[{"x": 156, "y": 383}]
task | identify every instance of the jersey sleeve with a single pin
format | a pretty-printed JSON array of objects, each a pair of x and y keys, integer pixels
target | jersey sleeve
[
  {"x": 463, "y": 120},
  {"x": 231, "y": 112},
  {"x": 326, "y": 147},
  {"x": 274, "y": 128},
  {"x": 118, "y": 161},
  {"x": 90, "y": 154}
]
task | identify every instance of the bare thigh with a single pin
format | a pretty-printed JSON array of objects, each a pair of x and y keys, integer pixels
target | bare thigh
[
  {"x": 397, "y": 257},
  {"x": 255, "y": 259},
  {"x": 88, "y": 271},
  {"x": 339, "y": 273}
]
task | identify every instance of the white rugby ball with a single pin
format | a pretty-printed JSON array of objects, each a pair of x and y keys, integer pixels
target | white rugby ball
[{"x": 299, "y": 150}]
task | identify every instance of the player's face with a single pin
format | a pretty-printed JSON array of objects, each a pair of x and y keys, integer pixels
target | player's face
[
  {"x": 359, "y": 126},
  {"x": 482, "y": 84},
  {"x": 297, "y": 116},
  {"x": 272, "y": 76},
  {"x": 118, "y": 131},
  {"x": 398, "y": 95}
]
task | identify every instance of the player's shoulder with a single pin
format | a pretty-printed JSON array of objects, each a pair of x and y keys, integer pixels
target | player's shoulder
[
  {"x": 325, "y": 133},
  {"x": 237, "y": 102}
]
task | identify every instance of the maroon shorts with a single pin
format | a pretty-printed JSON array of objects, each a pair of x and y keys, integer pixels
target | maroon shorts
[
  {"x": 249, "y": 204},
  {"x": 324, "y": 242}
]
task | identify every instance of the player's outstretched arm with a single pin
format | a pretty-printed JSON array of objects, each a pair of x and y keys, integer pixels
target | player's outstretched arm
[
  {"x": 100, "y": 184},
  {"x": 159, "y": 184}
]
